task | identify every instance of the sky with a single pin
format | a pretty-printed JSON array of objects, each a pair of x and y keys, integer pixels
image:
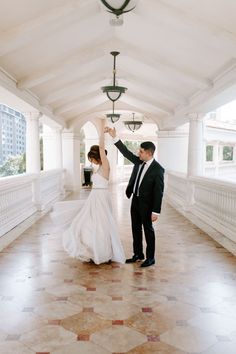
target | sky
[{"x": 228, "y": 112}]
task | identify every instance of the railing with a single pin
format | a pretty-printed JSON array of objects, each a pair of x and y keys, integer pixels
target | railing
[
  {"x": 51, "y": 186},
  {"x": 206, "y": 201},
  {"x": 23, "y": 195},
  {"x": 226, "y": 170},
  {"x": 215, "y": 203}
]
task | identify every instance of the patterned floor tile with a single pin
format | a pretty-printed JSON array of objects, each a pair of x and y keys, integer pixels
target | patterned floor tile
[
  {"x": 118, "y": 339},
  {"x": 85, "y": 323},
  {"x": 21, "y": 323},
  {"x": 52, "y": 303},
  {"x": 48, "y": 338},
  {"x": 57, "y": 310},
  {"x": 120, "y": 310},
  {"x": 214, "y": 323},
  {"x": 222, "y": 348},
  {"x": 188, "y": 339},
  {"x": 81, "y": 347},
  {"x": 14, "y": 347},
  {"x": 155, "y": 348},
  {"x": 150, "y": 323}
]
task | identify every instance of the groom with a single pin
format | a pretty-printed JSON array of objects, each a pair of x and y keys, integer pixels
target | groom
[{"x": 146, "y": 184}]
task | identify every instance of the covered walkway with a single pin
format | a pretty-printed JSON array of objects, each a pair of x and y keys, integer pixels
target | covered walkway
[{"x": 186, "y": 303}]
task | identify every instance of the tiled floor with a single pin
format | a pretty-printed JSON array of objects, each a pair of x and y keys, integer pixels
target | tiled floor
[{"x": 186, "y": 303}]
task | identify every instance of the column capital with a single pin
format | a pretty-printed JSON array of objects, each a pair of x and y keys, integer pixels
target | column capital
[
  {"x": 32, "y": 115},
  {"x": 196, "y": 117},
  {"x": 70, "y": 135},
  {"x": 171, "y": 134}
]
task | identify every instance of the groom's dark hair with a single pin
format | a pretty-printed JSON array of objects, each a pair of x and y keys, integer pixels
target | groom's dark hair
[
  {"x": 148, "y": 145},
  {"x": 94, "y": 153}
]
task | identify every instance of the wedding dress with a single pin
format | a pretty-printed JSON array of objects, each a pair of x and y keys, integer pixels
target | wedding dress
[{"x": 90, "y": 232}]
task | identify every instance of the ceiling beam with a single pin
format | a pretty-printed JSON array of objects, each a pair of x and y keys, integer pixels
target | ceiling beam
[
  {"x": 141, "y": 103},
  {"x": 163, "y": 65},
  {"x": 204, "y": 31},
  {"x": 203, "y": 102},
  {"x": 50, "y": 21},
  {"x": 73, "y": 90},
  {"x": 160, "y": 90},
  {"x": 140, "y": 92},
  {"x": 84, "y": 55},
  {"x": 83, "y": 102},
  {"x": 22, "y": 99},
  {"x": 78, "y": 62},
  {"x": 91, "y": 90}
]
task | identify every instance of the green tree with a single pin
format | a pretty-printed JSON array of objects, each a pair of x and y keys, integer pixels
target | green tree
[
  {"x": 228, "y": 153},
  {"x": 209, "y": 153},
  {"x": 132, "y": 146},
  {"x": 14, "y": 165}
]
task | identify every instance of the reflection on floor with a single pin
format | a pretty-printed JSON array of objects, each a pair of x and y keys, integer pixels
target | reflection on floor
[{"x": 186, "y": 303}]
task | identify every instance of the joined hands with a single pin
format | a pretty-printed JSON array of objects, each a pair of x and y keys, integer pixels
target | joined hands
[{"x": 111, "y": 131}]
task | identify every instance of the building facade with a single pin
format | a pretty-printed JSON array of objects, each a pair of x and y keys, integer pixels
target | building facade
[{"x": 12, "y": 133}]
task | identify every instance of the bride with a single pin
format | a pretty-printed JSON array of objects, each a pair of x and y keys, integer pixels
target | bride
[{"x": 91, "y": 232}]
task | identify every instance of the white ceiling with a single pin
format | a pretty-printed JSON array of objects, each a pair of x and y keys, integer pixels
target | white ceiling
[{"x": 176, "y": 56}]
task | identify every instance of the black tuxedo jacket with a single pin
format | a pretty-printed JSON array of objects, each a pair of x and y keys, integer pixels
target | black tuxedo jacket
[{"x": 152, "y": 185}]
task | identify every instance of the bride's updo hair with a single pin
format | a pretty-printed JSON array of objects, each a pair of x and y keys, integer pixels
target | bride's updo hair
[{"x": 94, "y": 153}]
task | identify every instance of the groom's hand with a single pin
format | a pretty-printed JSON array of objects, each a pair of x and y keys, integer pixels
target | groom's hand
[{"x": 154, "y": 217}]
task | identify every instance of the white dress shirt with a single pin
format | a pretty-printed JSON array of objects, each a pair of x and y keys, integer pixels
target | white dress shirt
[{"x": 147, "y": 165}]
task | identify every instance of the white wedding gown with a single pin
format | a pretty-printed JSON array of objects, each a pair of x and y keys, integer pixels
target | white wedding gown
[{"x": 90, "y": 232}]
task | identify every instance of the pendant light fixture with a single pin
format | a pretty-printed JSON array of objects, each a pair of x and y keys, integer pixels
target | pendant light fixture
[
  {"x": 133, "y": 125},
  {"x": 114, "y": 91},
  {"x": 114, "y": 117}
]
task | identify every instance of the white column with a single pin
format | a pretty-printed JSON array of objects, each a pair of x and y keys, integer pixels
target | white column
[
  {"x": 52, "y": 152},
  {"x": 71, "y": 160},
  {"x": 33, "y": 153},
  {"x": 52, "y": 148},
  {"x": 172, "y": 150},
  {"x": 32, "y": 142},
  {"x": 196, "y": 145}
]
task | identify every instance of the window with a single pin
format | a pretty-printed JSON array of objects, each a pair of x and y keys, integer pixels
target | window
[
  {"x": 209, "y": 153},
  {"x": 228, "y": 153}
]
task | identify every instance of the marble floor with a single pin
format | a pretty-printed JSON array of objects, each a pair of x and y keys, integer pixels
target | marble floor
[{"x": 53, "y": 304}]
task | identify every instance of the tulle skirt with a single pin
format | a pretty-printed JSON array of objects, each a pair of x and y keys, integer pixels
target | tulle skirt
[{"x": 90, "y": 230}]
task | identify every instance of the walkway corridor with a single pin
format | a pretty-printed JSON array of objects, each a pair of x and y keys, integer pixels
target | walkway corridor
[{"x": 186, "y": 303}]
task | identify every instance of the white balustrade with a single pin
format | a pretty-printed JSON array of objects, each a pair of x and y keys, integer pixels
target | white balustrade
[
  {"x": 206, "y": 201},
  {"x": 17, "y": 196},
  {"x": 16, "y": 203},
  {"x": 223, "y": 171},
  {"x": 177, "y": 183},
  {"x": 50, "y": 186},
  {"x": 215, "y": 203}
]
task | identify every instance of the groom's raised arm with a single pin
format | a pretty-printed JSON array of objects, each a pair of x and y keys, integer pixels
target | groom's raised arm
[{"x": 121, "y": 147}]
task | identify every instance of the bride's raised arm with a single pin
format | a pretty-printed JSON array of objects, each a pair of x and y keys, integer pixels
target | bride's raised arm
[{"x": 104, "y": 159}]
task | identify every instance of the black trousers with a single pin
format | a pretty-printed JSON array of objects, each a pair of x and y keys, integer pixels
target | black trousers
[{"x": 141, "y": 218}]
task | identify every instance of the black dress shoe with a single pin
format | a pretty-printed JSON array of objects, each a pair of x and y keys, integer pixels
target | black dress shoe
[
  {"x": 135, "y": 258},
  {"x": 148, "y": 262}
]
